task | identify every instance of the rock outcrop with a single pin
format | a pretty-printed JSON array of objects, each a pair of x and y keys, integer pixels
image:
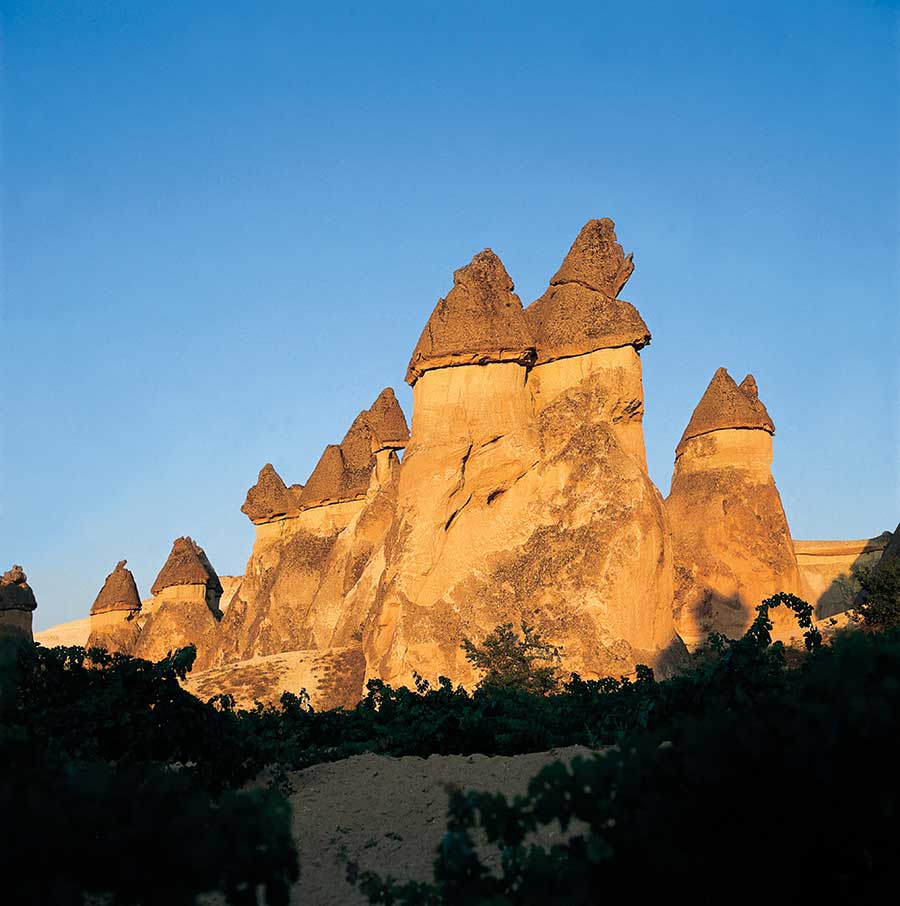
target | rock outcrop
[
  {"x": 732, "y": 543},
  {"x": 826, "y": 571},
  {"x": 17, "y": 604},
  {"x": 114, "y": 614},
  {"x": 516, "y": 498},
  {"x": 294, "y": 593},
  {"x": 185, "y": 606}
]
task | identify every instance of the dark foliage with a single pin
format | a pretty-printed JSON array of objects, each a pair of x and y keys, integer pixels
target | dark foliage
[
  {"x": 750, "y": 781},
  {"x": 879, "y": 598},
  {"x": 507, "y": 661},
  {"x": 111, "y": 782}
]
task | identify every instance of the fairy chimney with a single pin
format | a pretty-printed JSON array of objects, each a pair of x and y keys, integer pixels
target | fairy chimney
[
  {"x": 17, "y": 603},
  {"x": 188, "y": 576},
  {"x": 585, "y": 335},
  {"x": 733, "y": 547},
  {"x": 114, "y": 624},
  {"x": 506, "y": 513}
]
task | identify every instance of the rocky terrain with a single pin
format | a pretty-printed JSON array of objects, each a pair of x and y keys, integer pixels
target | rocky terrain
[{"x": 522, "y": 494}]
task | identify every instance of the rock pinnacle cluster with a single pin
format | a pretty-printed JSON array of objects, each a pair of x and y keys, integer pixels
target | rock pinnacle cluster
[{"x": 521, "y": 493}]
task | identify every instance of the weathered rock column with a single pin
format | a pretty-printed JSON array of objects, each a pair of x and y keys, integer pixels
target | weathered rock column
[
  {"x": 17, "y": 604},
  {"x": 733, "y": 546},
  {"x": 115, "y": 612}
]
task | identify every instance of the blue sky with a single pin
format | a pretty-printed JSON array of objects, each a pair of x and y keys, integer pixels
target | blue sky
[{"x": 224, "y": 226}]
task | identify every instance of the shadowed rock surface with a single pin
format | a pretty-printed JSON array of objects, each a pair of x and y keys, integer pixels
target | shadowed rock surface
[
  {"x": 15, "y": 592},
  {"x": 269, "y": 498},
  {"x": 479, "y": 321},
  {"x": 733, "y": 547},
  {"x": 17, "y": 602},
  {"x": 579, "y": 313}
]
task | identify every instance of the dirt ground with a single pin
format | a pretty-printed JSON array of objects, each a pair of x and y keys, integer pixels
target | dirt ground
[{"x": 389, "y": 814}]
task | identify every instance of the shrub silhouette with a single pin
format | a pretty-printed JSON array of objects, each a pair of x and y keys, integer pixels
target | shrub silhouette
[{"x": 510, "y": 662}]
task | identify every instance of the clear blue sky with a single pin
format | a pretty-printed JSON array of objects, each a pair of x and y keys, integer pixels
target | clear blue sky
[{"x": 225, "y": 224}]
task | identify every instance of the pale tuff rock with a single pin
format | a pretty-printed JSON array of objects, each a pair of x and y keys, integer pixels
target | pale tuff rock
[
  {"x": 579, "y": 313},
  {"x": 17, "y": 603},
  {"x": 517, "y": 499},
  {"x": 269, "y": 498},
  {"x": 826, "y": 570},
  {"x": 725, "y": 405},
  {"x": 119, "y": 592},
  {"x": 480, "y": 321},
  {"x": 185, "y": 606},
  {"x": 733, "y": 547},
  {"x": 332, "y": 678}
]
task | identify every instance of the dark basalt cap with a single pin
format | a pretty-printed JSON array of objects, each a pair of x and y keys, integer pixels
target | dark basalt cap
[
  {"x": 119, "y": 592},
  {"x": 579, "y": 313},
  {"x": 269, "y": 498},
  {"x": 480, "y": 321},
  {"x": 725, "y": 405},
  {"x": 387, "y": 423},
  {"x": 187, "y": 565},
  {"x": 15, "y": 593}
]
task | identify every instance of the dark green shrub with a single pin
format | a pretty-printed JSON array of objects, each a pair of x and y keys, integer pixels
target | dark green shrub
[
  {"x": 879, "y": 606},
  {"x": 507, "y": 661}
]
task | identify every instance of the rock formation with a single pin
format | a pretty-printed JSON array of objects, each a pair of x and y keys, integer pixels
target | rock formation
[
  {"x": 733, "y": 547},
  {"x": 516, "y": 497},
  {"x": 523, "y": 494},
  {"x": 17, "y": 604},
  {"x": 114, "y": 614},
  {"x": 185, "y": 606},
  {"x": 303, "y": 565}
]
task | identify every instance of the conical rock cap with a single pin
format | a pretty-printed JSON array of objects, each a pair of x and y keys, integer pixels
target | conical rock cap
[
  {"x": 387, "y": 422},
  {"x": 480, "y": 321},
  {"x": 725, "y": 405},
  {"x": 579, "y": 313},
  {"x": 269, "y": 498},
  {"x": 119, "y": 592},
  {"x": 15, "y": 593},
  {"x": 596, "y": 260},
  {"x": 187, "y": 565}
]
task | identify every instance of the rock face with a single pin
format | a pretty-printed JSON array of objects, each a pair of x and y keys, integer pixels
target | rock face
[
  {"x": 185, "y": 606},
  {"x": 114, "y": 623},
  {"x": 294, "y": 595},
  {"x": 733, "y": 546},
  {"x": 523, "y": 492},
  {"x": 826, "y": 571},
  {"x": 17, "y": 603}
]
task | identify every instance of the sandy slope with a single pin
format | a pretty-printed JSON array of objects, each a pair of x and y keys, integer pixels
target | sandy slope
[{"x": 388, "y": 814}]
